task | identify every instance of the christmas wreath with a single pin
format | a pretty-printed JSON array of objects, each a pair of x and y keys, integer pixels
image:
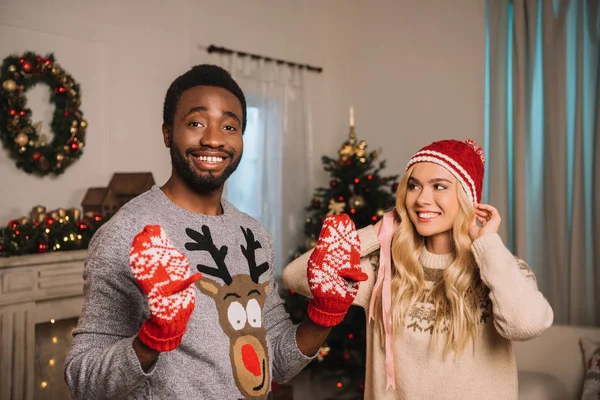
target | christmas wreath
[{"x": 31, "y": 148}]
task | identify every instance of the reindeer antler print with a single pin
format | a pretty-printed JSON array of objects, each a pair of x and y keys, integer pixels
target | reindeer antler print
[
  {"x": 239, "y": 302},
  {"x": 204, "y": 241},
  {"x": 249, "y": 253}
]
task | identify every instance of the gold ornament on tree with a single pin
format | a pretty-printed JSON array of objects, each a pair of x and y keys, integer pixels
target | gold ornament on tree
[
  {"x": 379, "y": 212},
  {"x": 361, "y": 149},
  {"x": 350, "y": 148},
  {"x": 12, "y": 68},
  {"x": 335, "y": 207},
  {"x": 346, "y": 151},
  {"x": 357, "y": 202}
]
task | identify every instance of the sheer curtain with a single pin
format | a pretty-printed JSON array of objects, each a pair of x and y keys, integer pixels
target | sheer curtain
[
  {"x": 274, "y": 177},
  {"x": 543, "y": 144}
]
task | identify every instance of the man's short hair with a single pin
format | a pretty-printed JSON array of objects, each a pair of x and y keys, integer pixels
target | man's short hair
[{"x": 201, "y": 75}]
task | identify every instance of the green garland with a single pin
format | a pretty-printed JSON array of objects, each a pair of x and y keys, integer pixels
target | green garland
[
  {"x": 63, "y": 234},
  {"x": 19, "y": 135}
]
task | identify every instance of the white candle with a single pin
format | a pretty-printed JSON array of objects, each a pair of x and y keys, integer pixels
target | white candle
[{"x": 351, "y": 116}]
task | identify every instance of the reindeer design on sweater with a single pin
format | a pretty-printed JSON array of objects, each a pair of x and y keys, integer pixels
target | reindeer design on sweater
[{"x": 239, "y": 301}]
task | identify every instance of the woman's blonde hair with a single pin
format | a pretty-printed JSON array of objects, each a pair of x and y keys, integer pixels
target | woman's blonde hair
[{"x": 457, "y": 311}]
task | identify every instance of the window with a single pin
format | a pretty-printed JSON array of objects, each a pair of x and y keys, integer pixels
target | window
[{"x": 243, "y": 187}]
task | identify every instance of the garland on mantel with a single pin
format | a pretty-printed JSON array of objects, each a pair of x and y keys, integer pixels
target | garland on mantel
[{"x": 59, "y": 230}]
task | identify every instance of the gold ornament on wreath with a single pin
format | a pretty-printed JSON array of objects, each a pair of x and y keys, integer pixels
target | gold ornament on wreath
[{"x": 32, "y": 149}]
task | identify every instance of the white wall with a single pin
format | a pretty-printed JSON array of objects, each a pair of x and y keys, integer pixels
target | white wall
[{"x": 413, "y": 70}]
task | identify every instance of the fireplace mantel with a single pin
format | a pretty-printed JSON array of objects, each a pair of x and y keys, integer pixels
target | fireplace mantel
[{"x": 33, "y": 289}]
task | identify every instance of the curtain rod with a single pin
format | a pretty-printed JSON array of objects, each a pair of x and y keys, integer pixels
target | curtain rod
[{"x": 222, "y": 50}]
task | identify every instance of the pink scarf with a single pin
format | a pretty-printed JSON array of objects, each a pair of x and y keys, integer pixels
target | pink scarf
[{"x": 384, "y": 285}]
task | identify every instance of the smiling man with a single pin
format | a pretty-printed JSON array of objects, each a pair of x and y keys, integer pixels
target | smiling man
[{"x": 180, "y": 296}]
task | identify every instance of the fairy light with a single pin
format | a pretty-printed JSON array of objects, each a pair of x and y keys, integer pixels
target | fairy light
[
  {"x": 52, "y": 321},
  {"x": 51, "y": 362},
  {"x": 54, "y": 339},
  {"x": 44, "y": 384}
]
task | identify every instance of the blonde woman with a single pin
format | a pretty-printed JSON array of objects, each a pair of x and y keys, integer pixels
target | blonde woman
[{"x": 444, "y": 296}]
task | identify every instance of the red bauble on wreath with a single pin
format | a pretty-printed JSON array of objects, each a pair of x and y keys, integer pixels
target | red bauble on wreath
[{"x": 19, "y": 135}]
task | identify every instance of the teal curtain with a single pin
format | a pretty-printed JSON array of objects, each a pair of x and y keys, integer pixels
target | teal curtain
[{"x": 541, "y": 135}]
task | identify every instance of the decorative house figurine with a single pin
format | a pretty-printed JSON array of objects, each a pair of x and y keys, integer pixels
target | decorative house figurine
[
  {"x": 127, "y": 185},
  {"x": 123, "y": 187},
  {"x": 100, "y": 200}
]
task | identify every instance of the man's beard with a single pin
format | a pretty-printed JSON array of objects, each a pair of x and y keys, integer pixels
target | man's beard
[{"x": 207, "y": 184}]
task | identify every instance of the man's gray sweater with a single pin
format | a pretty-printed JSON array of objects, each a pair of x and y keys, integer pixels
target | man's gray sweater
[{"x": 238, "y": 338}]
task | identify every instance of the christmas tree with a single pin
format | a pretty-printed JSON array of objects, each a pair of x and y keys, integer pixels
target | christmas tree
[{"x": 357, "y": 189}]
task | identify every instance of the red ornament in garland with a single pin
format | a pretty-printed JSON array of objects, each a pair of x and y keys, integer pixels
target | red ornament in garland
[
  {"x": 13, "y": 224},
  {"x": 49, "y": 221},
  {"x": 83, "y": 226},
  {"x": 73, "y": 145},
  {"x": 42, "y": 247}
]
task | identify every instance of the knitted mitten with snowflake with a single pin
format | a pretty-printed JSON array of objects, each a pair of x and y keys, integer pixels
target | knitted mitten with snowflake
[
  {"x": 334, "y": 271},
  {"x": 161, "y": 271}
]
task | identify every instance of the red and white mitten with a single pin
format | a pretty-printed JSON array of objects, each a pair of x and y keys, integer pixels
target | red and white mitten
[
  {"x": 334, "y": 271},
  {"x": 161, "y": 272}
]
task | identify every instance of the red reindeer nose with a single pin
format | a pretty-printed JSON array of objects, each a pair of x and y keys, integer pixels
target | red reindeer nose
[{"x": 250, "y": 359}]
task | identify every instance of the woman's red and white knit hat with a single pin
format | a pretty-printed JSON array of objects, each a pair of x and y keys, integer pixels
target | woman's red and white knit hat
[{"x": 465, "y": 160}]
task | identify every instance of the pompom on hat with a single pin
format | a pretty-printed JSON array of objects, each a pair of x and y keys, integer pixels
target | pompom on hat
[{"x": 465, "y": 160}]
